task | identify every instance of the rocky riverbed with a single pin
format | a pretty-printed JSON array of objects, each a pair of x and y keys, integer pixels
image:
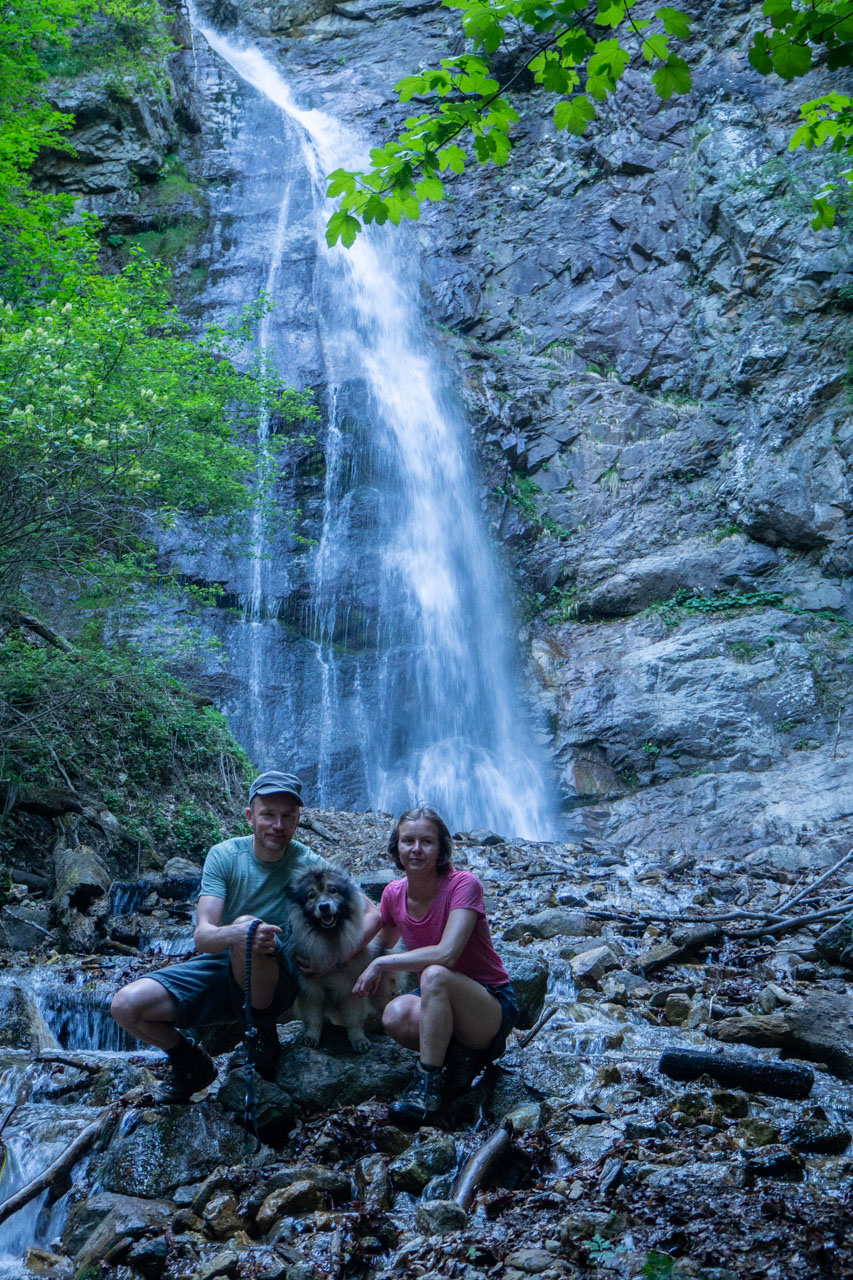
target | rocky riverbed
[{"x": 610, "y": 1168}]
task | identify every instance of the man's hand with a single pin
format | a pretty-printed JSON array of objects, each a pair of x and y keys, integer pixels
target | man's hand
[{"x": 263, "y": 943}]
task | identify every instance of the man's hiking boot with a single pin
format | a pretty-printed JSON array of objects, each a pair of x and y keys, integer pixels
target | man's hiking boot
[
  {"x": 191, "y": 1068},
  {"x": 267, "y": 1053},
  {"x": 422, "y": 1099}
]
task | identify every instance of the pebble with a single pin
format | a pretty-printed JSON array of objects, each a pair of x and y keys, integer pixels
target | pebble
[{"x": 530, "y": 1261}]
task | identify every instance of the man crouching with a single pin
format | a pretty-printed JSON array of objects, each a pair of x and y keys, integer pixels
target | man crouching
[{"x": 244, "y": 879}]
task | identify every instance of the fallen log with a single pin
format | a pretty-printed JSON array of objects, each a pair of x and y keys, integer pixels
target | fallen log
[
  {"x": 81, "y": 877},
  {"x": 478, "y": 1168},
  {"x": 819, "y": 1028},
  {"x": 62, "y": 1164},
  {"x": 682, "y": 944},
  {"x": 319, "y": 830},
  {"x": 779, "y": 1079}
]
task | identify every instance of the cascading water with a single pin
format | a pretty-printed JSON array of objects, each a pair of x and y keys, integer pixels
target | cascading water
[{"x": 401, "y": 687}]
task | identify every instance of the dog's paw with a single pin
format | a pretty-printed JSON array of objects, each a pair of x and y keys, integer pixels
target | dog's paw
[
  {"x": 310, "y": 1040},
  {"x": 359, "y": 1044}
]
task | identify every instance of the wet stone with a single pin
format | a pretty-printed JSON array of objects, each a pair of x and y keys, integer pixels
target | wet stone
[
  {"x": 731, "y": 1103},
  {"x": 440, "y": 1217},
  {"x": 677, "y": 1009},
  {"x": 622, "y": 987},
  {"x": 554, "y": 922},
  {"x": 371, "y": 1175},
  {"x": 424, "y": 1159},
  {"x": 42, "y": 1262},
  {"x": 148, "y": 1257},
  {"x": 298, "y": 1198},
  {"x": 817, "y": 1137},
  {"x": 589, "y": 967},
  {"x": 221, "y": 1264},
  {"x": 756, "y": 1132},
  {"x": 221, "y": 1216}
]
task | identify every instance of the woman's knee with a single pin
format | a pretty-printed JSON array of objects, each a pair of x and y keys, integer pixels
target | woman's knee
[
  {"x": 434, "y": 980},
  {"x": 399, "y": 1020}
]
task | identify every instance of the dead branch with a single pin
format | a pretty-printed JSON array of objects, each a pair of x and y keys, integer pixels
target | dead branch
[
  {"x": 67, "y": 1058},
  {"x": 482, "y": 1164},
  {"x": 775, "y": 927},
  {"x": 524, "y": 1040},
  {"x": 789, "y": 902},
  {"x": 62, "y": 1164}
]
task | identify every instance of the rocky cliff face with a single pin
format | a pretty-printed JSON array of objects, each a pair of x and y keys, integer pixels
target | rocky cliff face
[{"x": 653, "y": 347}]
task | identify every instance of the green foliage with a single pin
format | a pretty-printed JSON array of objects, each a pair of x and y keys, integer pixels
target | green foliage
[
  {"x": 801, "y": 35},
  {"x": 471, "y": 117},
  {"x": 562, "y": 606},
  {"x": 108, "y": 409},
  {"x": 521, "y": 491},
  {"x": 657, "y": 1266},
  {"x": 115, "y": 723},
  {"x": 684, "y": 603}
]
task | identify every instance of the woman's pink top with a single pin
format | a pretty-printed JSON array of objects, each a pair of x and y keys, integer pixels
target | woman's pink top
[{"x": 456, "y": 889}]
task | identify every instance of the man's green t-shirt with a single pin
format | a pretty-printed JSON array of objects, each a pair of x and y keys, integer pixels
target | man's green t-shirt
[{"x": 251, "y": 887}]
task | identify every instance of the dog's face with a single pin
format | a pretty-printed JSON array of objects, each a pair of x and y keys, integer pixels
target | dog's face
[{"x": 327, "y": 898}]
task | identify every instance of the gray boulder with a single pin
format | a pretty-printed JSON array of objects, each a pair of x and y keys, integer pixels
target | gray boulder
[
  {"x": 554, "y": 922},
  {"x": 169, "y": 1148}
]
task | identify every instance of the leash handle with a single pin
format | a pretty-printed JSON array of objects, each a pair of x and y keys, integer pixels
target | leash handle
[{"x": 250, "y": 1115}]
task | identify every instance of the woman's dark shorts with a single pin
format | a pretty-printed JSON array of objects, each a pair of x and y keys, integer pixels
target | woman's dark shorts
[
  {"x": 510, "y": 1013},
  {"x": 208, "y": 995}
]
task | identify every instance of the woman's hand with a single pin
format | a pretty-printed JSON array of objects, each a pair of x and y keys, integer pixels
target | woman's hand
[{"x": 368, "y": 983}]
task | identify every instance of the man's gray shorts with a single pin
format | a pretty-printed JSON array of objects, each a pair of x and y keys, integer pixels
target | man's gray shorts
[{"x": 208, "y": 995}]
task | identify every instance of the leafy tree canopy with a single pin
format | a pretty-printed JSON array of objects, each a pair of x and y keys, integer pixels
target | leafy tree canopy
[
  {"x": 577, "y": 50},
  {"x": 110, "y": 410}
]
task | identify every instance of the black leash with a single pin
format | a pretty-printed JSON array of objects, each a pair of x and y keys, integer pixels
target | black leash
[{"x": 250, "y": 1115}]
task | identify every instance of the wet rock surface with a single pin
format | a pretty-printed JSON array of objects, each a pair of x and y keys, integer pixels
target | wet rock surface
[{"x": 614, "y": 1161}]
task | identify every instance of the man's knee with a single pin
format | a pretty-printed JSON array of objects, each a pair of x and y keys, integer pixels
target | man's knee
[
  {"x": 121, "y": 1007},
  {"x": 143, "y": 1000}
]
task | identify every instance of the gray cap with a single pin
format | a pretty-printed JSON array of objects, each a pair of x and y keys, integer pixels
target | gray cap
[{"x": 273, "y": 783}]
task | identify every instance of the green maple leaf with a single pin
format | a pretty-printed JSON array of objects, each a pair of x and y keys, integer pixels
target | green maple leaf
[
  {"x": 672, "y": 77},
  {"x": 574, "y": 114}
]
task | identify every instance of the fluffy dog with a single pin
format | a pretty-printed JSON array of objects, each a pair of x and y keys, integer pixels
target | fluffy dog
[{"x": 325, "y": 920}]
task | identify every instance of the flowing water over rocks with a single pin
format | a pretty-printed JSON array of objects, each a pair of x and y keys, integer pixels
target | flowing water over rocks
[{"x": 613, "y": 1166}]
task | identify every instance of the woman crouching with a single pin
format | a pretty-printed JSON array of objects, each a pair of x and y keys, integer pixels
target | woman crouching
[{"x": 464, "y": 990}]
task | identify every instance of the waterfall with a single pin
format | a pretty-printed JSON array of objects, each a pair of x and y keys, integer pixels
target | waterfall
[{"x": 401, "y": 686}]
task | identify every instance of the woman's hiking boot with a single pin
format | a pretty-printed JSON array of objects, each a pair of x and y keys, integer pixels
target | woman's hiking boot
[
  {"x": 421, "y": 1101},
  {"x": 191, "y": 1068}
]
